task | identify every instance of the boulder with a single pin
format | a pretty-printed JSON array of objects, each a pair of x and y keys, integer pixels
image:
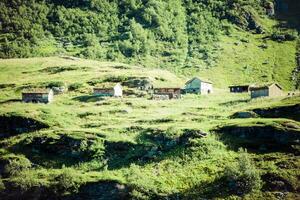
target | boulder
[{"x": 244, "y": 114}]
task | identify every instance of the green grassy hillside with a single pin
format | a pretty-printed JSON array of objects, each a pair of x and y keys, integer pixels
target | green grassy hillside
[
  {"x": 83, "y": 146},
  {"x": 229, "y": 42}
]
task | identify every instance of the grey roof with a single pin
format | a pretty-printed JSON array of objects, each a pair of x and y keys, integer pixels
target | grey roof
[
  {"x": 199, "y": 79},
  {"x": 264, "y": 86},
  {"x": 36, "y": 91}
]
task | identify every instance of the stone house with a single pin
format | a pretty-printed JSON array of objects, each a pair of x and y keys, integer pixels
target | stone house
[
  {"x": 198, "y": 86},
  {"x": 109, "y": 89},
  {"x": 239, "y": 88},
  {"x": 266, "y": 90},
  {"x": 37, "y": 95},
  {"x": 166, "y": 93}
]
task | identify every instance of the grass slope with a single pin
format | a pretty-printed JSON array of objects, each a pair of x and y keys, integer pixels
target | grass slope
[{"x": 133, "y": 124}]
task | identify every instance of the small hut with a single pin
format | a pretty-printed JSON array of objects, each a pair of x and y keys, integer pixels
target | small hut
[
  {"x": 166, "y": 93},
  {"x": 266, "y": 90},
  {"x": 109, "y": 89},
  {"x": 37, "y": 95},
  {"x": 198, "y": 86},
  {"x": 239, "y": 88}
]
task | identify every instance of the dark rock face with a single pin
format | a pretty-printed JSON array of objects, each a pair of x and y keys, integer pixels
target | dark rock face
[
  {"x": 103, "y": 190},
  {"x": 63, "y": 146},
  {"x": 13, "y": 125},
  {"x": 262, "y": 137},
  {"x": 289, "y": 112},
  {"x": 248, "y": 21},
  {"x": 274, "y": 182},
  {"x": 35, "y": 193}
]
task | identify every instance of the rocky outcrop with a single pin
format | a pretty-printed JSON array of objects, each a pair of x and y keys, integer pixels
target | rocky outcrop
[
  {"x": 34, "y": 193},
  {"x": 274, "y": 182},
  {"x": 243, "y": 114},
  {"x": 262, "y": 138},
  {"x": 247, "y": 20},
  {"x": 289, "y": 112},
  {"x": 102, "y": 190},
  {"x": 11, "y": 125},
  {"x": 63, "y": 145}
]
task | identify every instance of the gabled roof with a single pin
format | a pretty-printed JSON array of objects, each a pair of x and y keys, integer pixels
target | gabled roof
[
  {"x": 36, "y": 91},
  {"x": 264, "y": 86},
  {"x": 198, "y": 79}
]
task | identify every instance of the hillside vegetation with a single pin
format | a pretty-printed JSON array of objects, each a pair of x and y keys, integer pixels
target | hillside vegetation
[
  {"x": 226, "y": 41},
  {"x": 86, "y": 147}
]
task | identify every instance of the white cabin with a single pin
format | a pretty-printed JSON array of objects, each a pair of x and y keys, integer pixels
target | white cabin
[{"x": 198, "y": 86}]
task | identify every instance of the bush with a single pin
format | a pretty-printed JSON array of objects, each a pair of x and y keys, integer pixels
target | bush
[
  {"x": 66, "y": 182},
  {"x": 242, "y": 177},
  {"x": 16, "y": 166},
  {"x": 25, "y": 181},
  {"x": 2, "y": 186},
  {"x": 75, "y": 86},
  {"x": 55, "y": 84}
]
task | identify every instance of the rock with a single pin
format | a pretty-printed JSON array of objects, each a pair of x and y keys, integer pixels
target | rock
[
  {"x": 244, "y": 114},
  {"x": 263, "y": 46},
  {"x": 63, "y": 146},
  {"x": 274, "y": 182},
  {"x": 289, "y": 111},
  {"x": 59, "y": 90},
  {"x": 272, "y": 137},
  {"x": 245, "y": 40}
]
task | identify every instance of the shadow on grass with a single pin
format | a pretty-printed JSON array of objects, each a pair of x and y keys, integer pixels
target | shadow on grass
[
  {"x": 235, "y": 102},
  {"x": 153, "y": 145},
  {"x": 10, "y": 101},
  {"x": 57, "y": 150},
  {"x": 217, "y": 189},
  {"x": 261, "y": 139},
  {"x": 89, "y": 98}
]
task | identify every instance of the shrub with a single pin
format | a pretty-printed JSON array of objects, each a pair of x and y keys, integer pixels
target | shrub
[
  {"x": 25, "y": 181},
  {"x": 75, "y": 86},
  {"x": 55, "y": 84},
  {"x": 16, "y": 166},
  {"x": 242, "y": 177},
  {"x": 2, "y": 186},
  {"x": 66, "y": 182},
  {"x": 115, "y": 79}
]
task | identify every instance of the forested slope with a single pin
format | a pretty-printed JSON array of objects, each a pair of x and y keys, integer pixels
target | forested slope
[{"x": 187, "y": 36}]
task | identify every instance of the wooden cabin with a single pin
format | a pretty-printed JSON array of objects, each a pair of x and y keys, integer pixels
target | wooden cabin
[
  {"x": 239, "y": 88},
  {"x": 167, "y": 93},
  {"x": 110, "y": 90},
  {"x": 266, "y": 90},
  {"x": 198, "y": 86},
  {"x": 37, "y": 95}
]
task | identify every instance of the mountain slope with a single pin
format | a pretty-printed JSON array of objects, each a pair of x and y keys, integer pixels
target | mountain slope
[
  {"x": 189, "y": 37},
  {"x": 82, "y": 146}
]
